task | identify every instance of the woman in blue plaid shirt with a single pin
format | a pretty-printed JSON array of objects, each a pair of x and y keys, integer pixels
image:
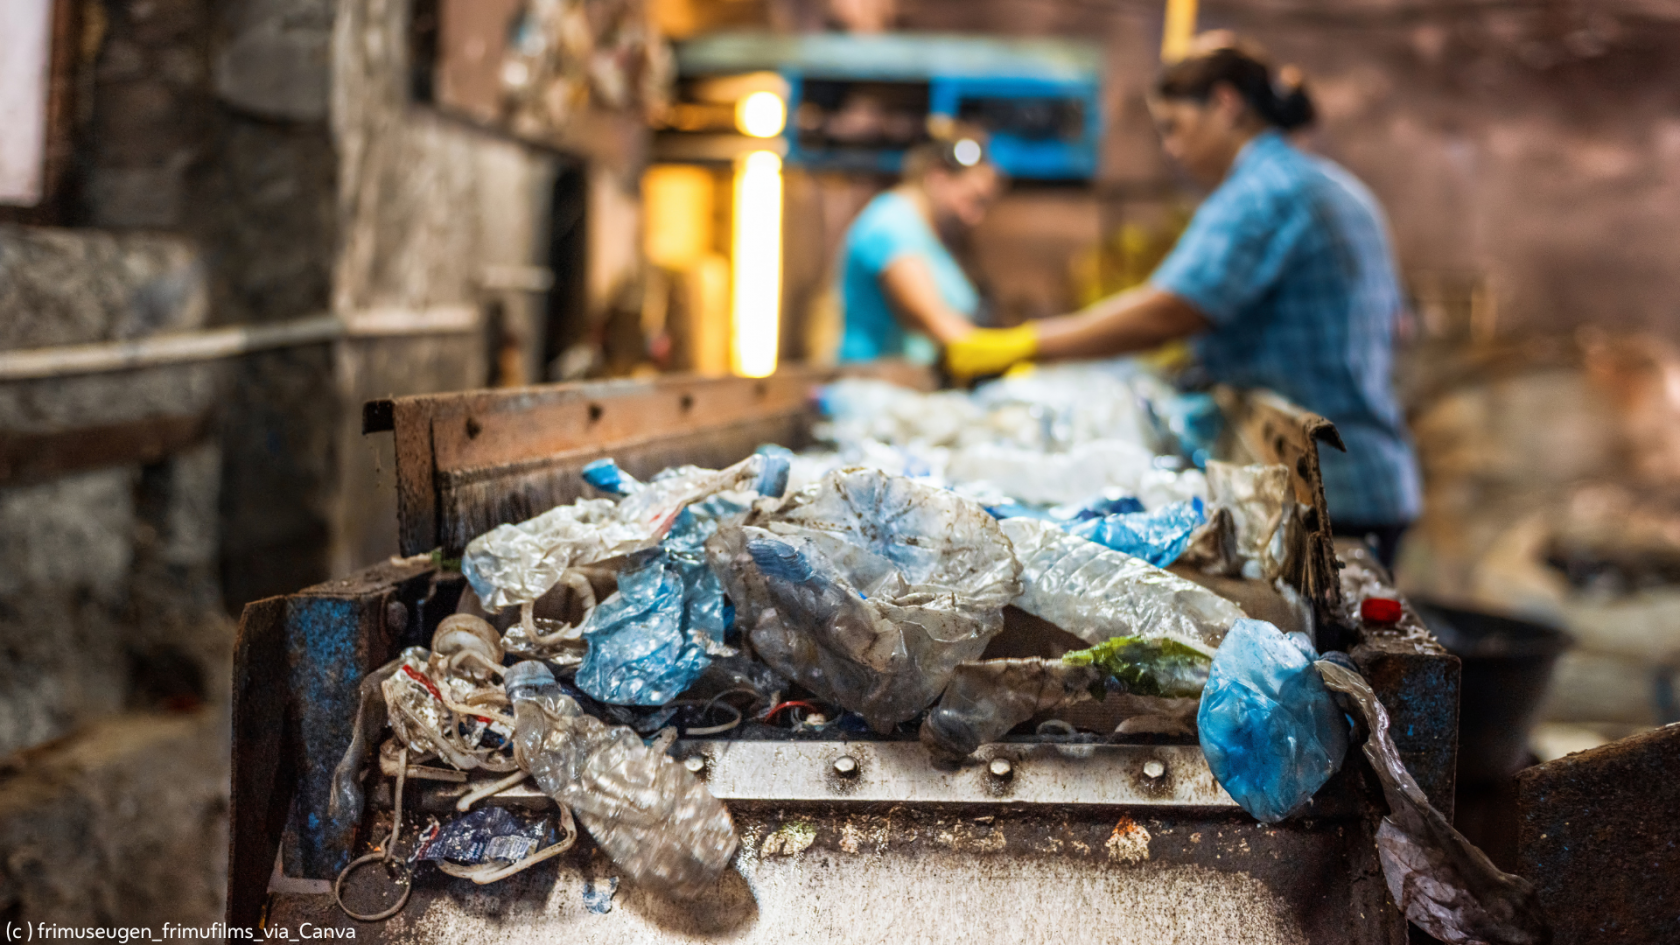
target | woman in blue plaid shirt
[{"x": 1284, "y": 279}]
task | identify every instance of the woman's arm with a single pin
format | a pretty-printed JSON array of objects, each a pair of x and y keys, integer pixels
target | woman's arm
[
  {"x": 1138, "y": 320},
  {"x": 1144, "y": 318},
  {"x": 908, "y": 284}
]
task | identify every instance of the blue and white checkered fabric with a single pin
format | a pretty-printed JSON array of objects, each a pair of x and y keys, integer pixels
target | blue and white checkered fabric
[{"x": 1290, "y": 260}]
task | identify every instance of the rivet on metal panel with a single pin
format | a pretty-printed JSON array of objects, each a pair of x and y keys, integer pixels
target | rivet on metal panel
[
  {"x": 1154, "y": 769},
  {"x": 1001, "y": 768},
  {"x": 846, "y": 766}
]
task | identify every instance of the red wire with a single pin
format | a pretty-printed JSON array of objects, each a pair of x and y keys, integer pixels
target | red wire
[
  {"x": 771, "y": 714},
  {"x": 422, "y": 680}
]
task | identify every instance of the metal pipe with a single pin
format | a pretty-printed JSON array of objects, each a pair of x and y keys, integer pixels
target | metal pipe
[{"x": 214, "y": 343}]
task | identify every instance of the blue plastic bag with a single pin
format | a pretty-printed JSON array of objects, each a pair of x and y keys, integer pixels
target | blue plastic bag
[
  {"x": 1157, "y": 537},
  {"x": 1268, "y": 726},
  {"x": 652, "y": 639}
]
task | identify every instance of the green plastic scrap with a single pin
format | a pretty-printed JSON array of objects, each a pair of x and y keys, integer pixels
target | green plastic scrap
[{"x": 1148, "y": 666}]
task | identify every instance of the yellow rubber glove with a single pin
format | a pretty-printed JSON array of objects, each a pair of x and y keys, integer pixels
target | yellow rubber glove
[{"x": 991, "y": 350}]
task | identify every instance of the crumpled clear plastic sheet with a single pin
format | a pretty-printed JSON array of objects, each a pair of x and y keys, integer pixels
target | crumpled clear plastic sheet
[
  {"x": 1157, "y": 537},
  {"x": 421, "y": 721},
  {"x": 1443, "y": 884},
  {"x": 518, "y": 563},
  {"x": 1261, "y": 501},
  {"x": 986, "y": 699},
  {"x": 654, "y": 819},
  {"x": 869, "y": 589},
  {"x": 1098, "y": 594},
  {"x": 654, "y": 637},
  {"x": 1269, "y": 728}
]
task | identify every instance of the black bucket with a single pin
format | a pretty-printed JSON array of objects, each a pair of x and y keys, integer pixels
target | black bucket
[{"x": 1507, "y": 665}]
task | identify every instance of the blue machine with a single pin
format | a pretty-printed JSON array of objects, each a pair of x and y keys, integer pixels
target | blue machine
[{"x": 857, "y": 102}]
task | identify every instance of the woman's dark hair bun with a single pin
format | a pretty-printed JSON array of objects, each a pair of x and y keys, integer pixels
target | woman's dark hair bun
[{"x": 1279, "y": 98}]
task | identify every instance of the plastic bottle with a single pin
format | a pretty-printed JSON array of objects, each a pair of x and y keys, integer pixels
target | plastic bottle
[{"x": 653, "y": 818}]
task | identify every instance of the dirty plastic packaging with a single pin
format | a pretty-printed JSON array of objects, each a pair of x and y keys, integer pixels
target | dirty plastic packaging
[
  {"x": 869, "y": 589},
  {"x": 488, "y": 834},
  {"x": 1269, "y": 728},
  {"x": 1098, "y": 594},
  {"x": 654, "y": 819},
  {"x": 985, "y": 699},
  {"x": 518, "y": 563},
  {"x": 1443, "y": 884},
  {"x": 1157, "y": 537}
]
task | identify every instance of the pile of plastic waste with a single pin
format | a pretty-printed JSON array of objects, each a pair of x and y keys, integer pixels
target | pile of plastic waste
[{"x": 858, "y": 588}]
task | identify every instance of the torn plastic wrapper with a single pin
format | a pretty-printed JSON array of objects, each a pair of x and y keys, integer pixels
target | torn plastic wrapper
[
  {"x": 1442, "y": 883},
  {"x": 1157, "y": 537},
  {"x": 1270, "y": 730},
  {"x": 516, "y": 564},
  {"x": 653, "y": 818},
  {"x": 869, "y": 589},
  {"x": 986, "y": 699},
  {"x": 488, "y": 834}
]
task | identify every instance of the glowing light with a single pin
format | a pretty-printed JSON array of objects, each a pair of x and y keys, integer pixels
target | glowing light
[
  {"x": 967, "y": 152},
  {"x": 761, "y": 115},
  {"x": 1179, "y": 30},
  {"x": 756, "y": 263}
]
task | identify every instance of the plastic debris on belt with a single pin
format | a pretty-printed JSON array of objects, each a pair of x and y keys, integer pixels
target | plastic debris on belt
[
  {"x": 869, "y": 589},
  {"x": 1157, "y": 537},
  {"x": 516, "y": 564},
  {"x": 1268, "y": 726},
  {"x": 652, "y": 818}
]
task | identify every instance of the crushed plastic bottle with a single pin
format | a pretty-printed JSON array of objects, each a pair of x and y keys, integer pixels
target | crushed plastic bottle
[
  {"x": 869, "y": 589},
  {"x": 1098, "y": 594},
  {"x": 654, "y": 819},
  {"x": 1269, "y": 728},
  {"x": 1443, "y": 884},
  {"x": 1157, "y": 537},
  {"x": 985, "y": 699}
]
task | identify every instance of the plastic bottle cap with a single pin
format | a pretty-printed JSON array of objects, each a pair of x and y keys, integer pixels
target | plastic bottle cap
[{"x": 1380, "y": 609}]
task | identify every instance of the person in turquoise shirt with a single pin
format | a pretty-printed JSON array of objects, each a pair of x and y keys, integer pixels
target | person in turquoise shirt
[{"x": 901, "y": 291}]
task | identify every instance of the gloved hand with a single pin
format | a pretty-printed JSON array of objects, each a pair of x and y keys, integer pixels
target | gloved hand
[{"x": 991, "y": 350}]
